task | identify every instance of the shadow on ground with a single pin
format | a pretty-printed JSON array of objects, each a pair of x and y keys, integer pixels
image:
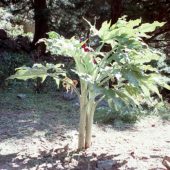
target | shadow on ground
[{"x": 61, "y": 158}]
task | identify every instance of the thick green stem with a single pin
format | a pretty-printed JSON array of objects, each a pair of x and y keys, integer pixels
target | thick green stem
[
  {"x": 89, "y": 124},
  {"x": 82, "y": 124},
  {"x": 87, "y": 109}
]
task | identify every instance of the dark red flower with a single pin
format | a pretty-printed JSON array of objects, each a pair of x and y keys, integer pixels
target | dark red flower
[{"x": 87, "y": 49}]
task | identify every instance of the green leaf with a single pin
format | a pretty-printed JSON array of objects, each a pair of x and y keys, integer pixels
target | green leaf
[
  {"x": 39, "y": 71},
  {"x": 57, "y": 81},
  {"x": 53, "y": 35},
  {"x": 147, "y": 27},
  {"x": 104, "y": 29}
]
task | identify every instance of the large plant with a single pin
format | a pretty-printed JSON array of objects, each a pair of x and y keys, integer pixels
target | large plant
[{"x": 127, "y": 59}]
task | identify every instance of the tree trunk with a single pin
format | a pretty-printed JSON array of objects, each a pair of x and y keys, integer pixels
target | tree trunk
[
  {"x": 116, "y": 9},
  {"x": 41, "y": 19}
]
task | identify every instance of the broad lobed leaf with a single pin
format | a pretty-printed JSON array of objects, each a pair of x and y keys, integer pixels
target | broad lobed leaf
[{"x": 40, "y": 71}]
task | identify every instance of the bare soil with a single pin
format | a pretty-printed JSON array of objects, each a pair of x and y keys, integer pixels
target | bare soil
[{"x": 48, "y": 141}]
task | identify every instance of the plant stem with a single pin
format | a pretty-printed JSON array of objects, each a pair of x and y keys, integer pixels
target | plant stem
[
  {"x": 82, "y": 124},
  {"x": 89, "y": 123},
  {"x": 83, "y": 106}
]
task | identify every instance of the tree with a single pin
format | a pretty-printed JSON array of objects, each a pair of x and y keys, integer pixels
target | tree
[
  {"x": 116, "y": 10},
  {"x": 128, "y": 61},
  {"x": 108, "y": 10},
  {"x": 41, "y": 17},
  {"x": 41, "y": 14}
]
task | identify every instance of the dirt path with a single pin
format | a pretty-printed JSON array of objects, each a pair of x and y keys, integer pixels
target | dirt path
[
  {"x": 142, "y": 146},
  {"x": 49, "y": 141}
]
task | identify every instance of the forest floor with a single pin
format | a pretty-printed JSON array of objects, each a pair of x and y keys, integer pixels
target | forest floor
[{"x": 40, "y": 133}]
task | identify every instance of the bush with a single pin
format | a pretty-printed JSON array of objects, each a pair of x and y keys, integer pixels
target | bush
[
  {"x": 7, "y": 23},
  {"x": 131, "y": 114},
  {"x": 9, "y": 61},
  {"x": 5, "y": 18},
  {"x": 105, "y": 115}
]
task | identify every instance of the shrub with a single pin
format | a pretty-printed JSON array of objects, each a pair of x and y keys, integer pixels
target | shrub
[{"x": 9, "y": 61}]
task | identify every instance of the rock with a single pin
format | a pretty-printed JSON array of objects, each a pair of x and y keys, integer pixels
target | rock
[
  {"x": 76, "y": 104},
  {"x": 3, "y": 34},
  {"x": 49, "y": 166},
  {"x": 11, "y": 44},
  {"x": 103, "y": 103},
  {"x": 166, "y": 162},
  {"x": 42, "y": 165},
  {"x": 67, "y": 159},
  {"x": 69, "y": 95},
  {"x": 21, "y": 96},
  {"x": 58, "y": 162},
  {"x": 106, "y": 164},
  {"x": 24, "y": 43},
  {"x": 74, "y": 162},
  {"x": 59, "y": 167},
  {"x": 94, "y": 154}
]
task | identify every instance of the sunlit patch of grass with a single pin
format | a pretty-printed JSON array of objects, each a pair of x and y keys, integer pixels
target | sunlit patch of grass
[
  {"x": 44, "y": 114},
  {"x": 52, "y": 102},
  {"x": 40, "y": 103}
]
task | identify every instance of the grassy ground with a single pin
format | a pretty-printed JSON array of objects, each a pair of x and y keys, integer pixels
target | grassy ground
[
  {"x": 42, "y": 109},
  {"x": 40, "y": 132}
]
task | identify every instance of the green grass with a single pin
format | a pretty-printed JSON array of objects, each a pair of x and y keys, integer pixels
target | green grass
[
  {"x": 37, "y": 113},
  {"x": 43, "y": 102},
  {"x": 52, "y": 102}
]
